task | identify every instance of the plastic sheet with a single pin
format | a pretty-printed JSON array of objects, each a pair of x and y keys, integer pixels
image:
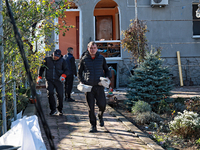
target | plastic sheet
[{"x": 25, "y": 133}]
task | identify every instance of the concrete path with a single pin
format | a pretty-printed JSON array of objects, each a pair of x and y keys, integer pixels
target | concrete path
[{"x": 70, "y": 131}]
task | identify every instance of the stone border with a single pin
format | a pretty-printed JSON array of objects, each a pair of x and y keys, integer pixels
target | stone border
[
  {"x": 30, "y": 110},
  {"x": 141, "y": 135}
]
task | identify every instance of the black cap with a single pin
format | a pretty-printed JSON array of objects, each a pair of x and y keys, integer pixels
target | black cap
[{"x": 57, "y": 52}]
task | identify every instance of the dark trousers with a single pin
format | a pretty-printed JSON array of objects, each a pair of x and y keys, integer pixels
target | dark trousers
[
  {"x": 69, "y": 85},
  {"x": 51, "y": 85},
  {"x": 97, "y": 93}
]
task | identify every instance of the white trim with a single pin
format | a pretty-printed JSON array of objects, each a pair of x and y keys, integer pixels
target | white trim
[
  {"x": 120, "y": 29},
  {"x": 72, "y": 9},
  {"x": 196, "y": 36},
  {"x": 56, "y": 35},
  {"x": 113, "y": 58},
  {"x": 107, "y": 41},
  {"x": 80, "y": 34},
  {"x": 94, "y": 25}
]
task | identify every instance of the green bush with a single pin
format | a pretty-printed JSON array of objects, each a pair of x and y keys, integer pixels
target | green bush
[
  {"x": 22, "y": 102},
  {"x": 140, "y": 107},
  {"x": 151, "y": 81},
  {"x": 186, "y": 125},
  {"x": 162, "y": 107},
  {"x": 147, "y": 118},
  {"x": 179, "y": 107},
  {"x": 198, "y": 141},
  {"x": 128, "y": 105},
  {"x": 25, "y": 91}
]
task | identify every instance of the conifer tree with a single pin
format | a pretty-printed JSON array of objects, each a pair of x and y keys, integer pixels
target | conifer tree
[{"x": 151, "y": 81}]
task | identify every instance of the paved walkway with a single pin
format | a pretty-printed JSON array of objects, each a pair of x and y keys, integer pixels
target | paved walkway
[{"x": 70, "y": 131}]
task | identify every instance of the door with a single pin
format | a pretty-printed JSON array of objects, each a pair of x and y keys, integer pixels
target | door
[{"x": 104, "y": 27}]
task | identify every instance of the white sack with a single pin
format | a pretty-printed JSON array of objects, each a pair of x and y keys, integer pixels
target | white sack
[
  {"x": 84, "y": 88},
  {"x": 26, "y": 133},
  {"x": 19, "y": 116},
  {"x": 105, "y": 82}
]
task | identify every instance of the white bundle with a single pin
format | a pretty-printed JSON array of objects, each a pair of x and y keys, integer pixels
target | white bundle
[
  {"x": 84, "y": 88},
  {"x": 105, "y": 82}
]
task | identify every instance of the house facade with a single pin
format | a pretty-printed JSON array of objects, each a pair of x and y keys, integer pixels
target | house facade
[{"x": 172, "y": 25}]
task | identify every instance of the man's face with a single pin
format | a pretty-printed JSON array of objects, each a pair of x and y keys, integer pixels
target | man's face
[
  {"x": 55, "y": 57},
  {"x": 93, "y": 49}
]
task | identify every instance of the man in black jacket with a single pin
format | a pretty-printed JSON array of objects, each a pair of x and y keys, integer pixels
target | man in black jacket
[
  {"x": 56, "y": 70},
  {"x": 72, "y": 71},
  {"x": 93, "y": 66}
]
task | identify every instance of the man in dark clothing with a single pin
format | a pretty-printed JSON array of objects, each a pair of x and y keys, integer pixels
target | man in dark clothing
[
  {"x": 56, "y": 70},
  {"x": 93, "y": 66},
  {"x": 72, "y": 71}
]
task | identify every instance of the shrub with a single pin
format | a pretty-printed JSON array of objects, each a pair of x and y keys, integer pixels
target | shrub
[
  {"x": 141, "y": 107},
  {"x": 186, "y": 124},
  {"x": 147, "y": 118},
  {"x": 193, "y": 104},
  {"x": 134, "y": 39},
  {"x": 128, "y": 105},
  {"x": 151, "y": 81},
  {"x": 161, "y": 107},
  {"x": 198, "y": 141},
  {"x": 179, "y": 107}
]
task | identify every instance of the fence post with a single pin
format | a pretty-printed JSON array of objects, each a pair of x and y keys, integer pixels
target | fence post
[
  {"x": 14, "y": 93},
  {"x": 4, "y": 130}
]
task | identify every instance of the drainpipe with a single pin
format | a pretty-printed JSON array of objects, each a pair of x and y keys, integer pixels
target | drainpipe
[
  {"x": 4, "y": 129},
  {"x": 136, "y": 15},
  {"x": 136, "y": 19}
]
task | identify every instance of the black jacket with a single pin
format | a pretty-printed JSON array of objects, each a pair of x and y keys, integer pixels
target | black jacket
[
  {"x": 90, "y": 70},
  {"x": 53, "y": 68},
  {"x": 71, "y": 64}
]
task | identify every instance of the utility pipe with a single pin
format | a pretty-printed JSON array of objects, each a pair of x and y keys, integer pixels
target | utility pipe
[{"x": 180, "y": 68}]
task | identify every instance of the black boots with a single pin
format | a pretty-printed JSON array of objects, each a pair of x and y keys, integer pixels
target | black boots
[
  {"x": 101, "y": 122},
  {"x": 93, "y": 129}
]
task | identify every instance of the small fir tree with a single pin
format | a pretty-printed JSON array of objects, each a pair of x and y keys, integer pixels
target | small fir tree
[{"x": 151, "y": 81}]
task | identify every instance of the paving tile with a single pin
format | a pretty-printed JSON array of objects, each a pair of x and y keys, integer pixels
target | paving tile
[{"x": 71, "y": 131}]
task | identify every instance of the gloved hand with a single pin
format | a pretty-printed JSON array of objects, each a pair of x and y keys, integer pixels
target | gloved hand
[
  {"x": 105, "y": 82},
  {"x": 100, "y": 83},
  {"x": 39, "y": 79},
  {"x": 62, "y": 77}
]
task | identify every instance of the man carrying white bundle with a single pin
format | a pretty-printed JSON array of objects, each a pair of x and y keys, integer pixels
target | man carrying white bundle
[{"x": 91, "y": 68}]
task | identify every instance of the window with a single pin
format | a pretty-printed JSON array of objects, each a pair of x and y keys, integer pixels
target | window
[
  {"x": 107, "y": 29},
  {"x": 196, "y": 21}
]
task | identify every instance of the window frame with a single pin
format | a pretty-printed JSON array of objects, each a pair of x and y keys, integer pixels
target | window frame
[{"x": 195, "y": 21}]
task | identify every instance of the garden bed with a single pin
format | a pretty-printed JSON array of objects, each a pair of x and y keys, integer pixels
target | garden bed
[{"x": 161, "y": 135}]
